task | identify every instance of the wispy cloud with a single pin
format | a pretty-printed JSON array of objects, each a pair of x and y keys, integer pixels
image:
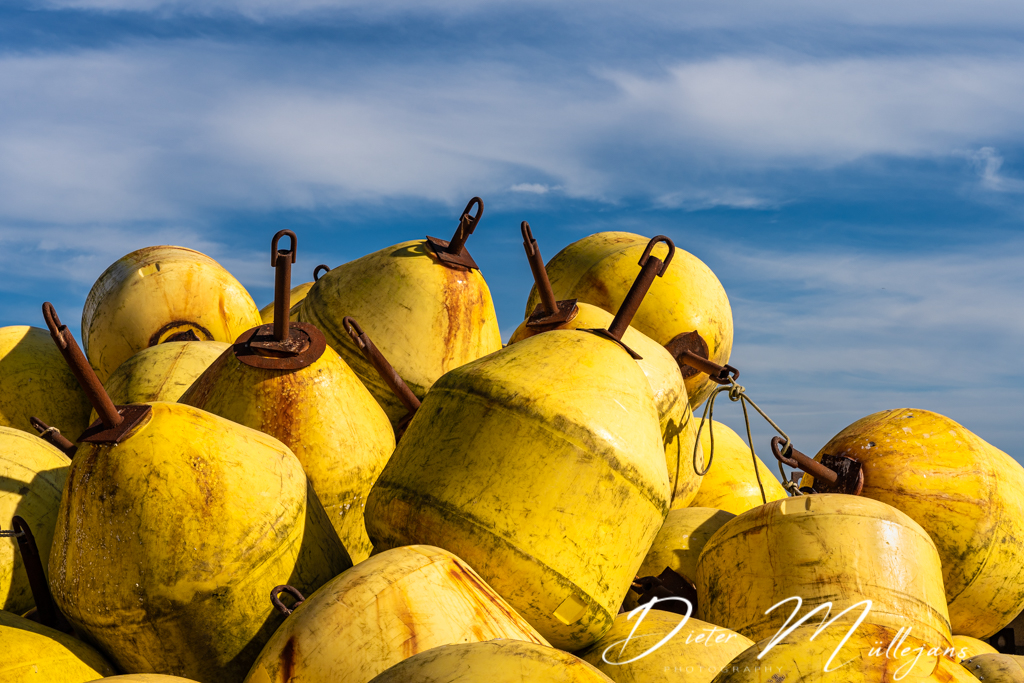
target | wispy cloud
[{"x": 828, "y": 336}]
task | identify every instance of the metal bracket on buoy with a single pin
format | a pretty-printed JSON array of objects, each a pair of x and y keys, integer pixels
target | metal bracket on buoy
[
  {"x": 453, "y": 252},
  {"x": 650, "y": 267},
  {"x": 696, "y": 363},
  {"x": 834, "y": 474},
  {"x": 281, "y": 345},
  {"x": 668, "y": 584},
  {"x": 549, "y": 313},
  {"x": 115, "y": 423},
  {"x": 386, "y": 371}
]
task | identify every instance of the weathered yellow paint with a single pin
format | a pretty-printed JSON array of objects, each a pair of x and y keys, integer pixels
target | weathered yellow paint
[
  {"x": 542, "y": 467},
  {"x": 35, "y": 381},
  {"x": 146, "y": 297},
  {"x": 873, "y": 653},
  {"x": 967, "y": 494},
  {"x": 168, "y": 544},
  {"x": 678, "y": 428},
  {"x": 426, "y": 318},
  {"x": 822, "y": 548},
  {"x": 32, "y": 474},
  {"x": 996, "y": 668},
  {"x": 731, "y": 483},
  {"x": 324, "y": 414},
  {"x": 298, "y": 294},
  {"x": 145, "y": 678},
  {"x": 160, "y": 373},
  {"x": 967, "y": 647},
  {"x": 386, "y": 609},
  {"x": 600, "y": 269},
  {"x": 497, "y": 661},
  {"x": 692, "y": 655},
  {"x": 677, "y": 546},
  {"x": 33, "y": 653}
]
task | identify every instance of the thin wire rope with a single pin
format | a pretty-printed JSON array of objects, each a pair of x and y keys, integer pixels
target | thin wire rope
[{"x": 738, "y": 393}]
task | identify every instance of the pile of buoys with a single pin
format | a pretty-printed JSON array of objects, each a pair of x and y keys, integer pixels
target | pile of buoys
[{"x": 360, "y": 483}]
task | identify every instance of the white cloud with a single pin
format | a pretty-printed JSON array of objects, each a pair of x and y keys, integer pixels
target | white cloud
[
  {"x": 824, "y": 338},
  {"x": 159, "y": 133},
  {"x": 531, "y": 188}
]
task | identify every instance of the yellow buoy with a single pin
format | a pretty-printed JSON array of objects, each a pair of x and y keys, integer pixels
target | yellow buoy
[
  {"x": 34, "y": 653},
  {"x": 996, "y": 668},
  {"x": 173, "y": 523},
  {"x": 679, "y": 543},
  {"x": 967, "y": 494},
  {"x": 678, "y": 428},
  {"x": 394, "y": 605},
  {"x": 598, "y": 270},
  {"x": 145, "y": 678},
  {"x": 160, "y": 294},
  {"x": 871, "y": 653},
  {"x": 652, "y": 645},
  {"x": 542, "y": 466},
  {"x": 967, "y": 647},
  {"x": 32, "y": 474},
  {"x": 496, "y": 661},
  {"x": 817, "y": 549},
  {"x": 36, "y": 382},
  {"x": 160, "y": 373},
  {"x": 426, "y": 311},
  {"x": 312, "y": 402},
  {"x": 731, "y": 483}
]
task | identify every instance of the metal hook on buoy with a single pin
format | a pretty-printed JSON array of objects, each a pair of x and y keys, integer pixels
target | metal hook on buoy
[
  {"x": 46, "y": 612},
  {"x": 386, "y": 371},
  {"x": 52, "y": 436},
  {"x": 115, "y": 421},
  {"x": 282, "y": 260},
  {"x": 275, "y": 598},
  {"x": 549, "y": 312},
  {"x": 834, "y": 474},
  {"x": 453, "y": 251}
]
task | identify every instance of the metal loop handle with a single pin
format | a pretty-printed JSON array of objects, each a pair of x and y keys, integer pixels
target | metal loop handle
[
  {"x": 316, "y": 271},
  {"x": 471, "y": 220},
  {"x": 650, "y": 248},
  {"x": 55, "y": 326},
  {"x": 275, "y": 599},
  {"x": 275, "y": 252},
  {"x": 782, "y": 450},
  {"x": 354, "y": 331},
  {"x": 528, "y": 241}
]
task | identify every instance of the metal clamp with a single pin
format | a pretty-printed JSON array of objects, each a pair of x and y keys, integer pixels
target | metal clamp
[
  {"x": 650, "y": 267},
  {"x": 453, "y": 252},
  {"x": 115, "y": 422},
  {"x": 549, "y": 313},
  {"x": 834, "y": 474},
  {"x": 275, "y": 598}
]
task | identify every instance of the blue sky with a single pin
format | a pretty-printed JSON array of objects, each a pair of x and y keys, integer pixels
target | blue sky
[{"x": 854, "y": 175}]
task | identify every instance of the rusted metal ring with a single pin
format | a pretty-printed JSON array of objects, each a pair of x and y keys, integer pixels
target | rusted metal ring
[
  {"x": 55, "y": 326},
  {"x": 650, "y": 247},
  {"x": 354, "y": 331},
  {"x": 528, "y": 240},
  {"x": 728, "y": 375},
  {"x": 275, "y": 252},
  {"x": 781, "y": 450},
  {"x": 275, "y": 600},
  {"x": 471, "y": 220},
  {"x": 316, "y": 271}
]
